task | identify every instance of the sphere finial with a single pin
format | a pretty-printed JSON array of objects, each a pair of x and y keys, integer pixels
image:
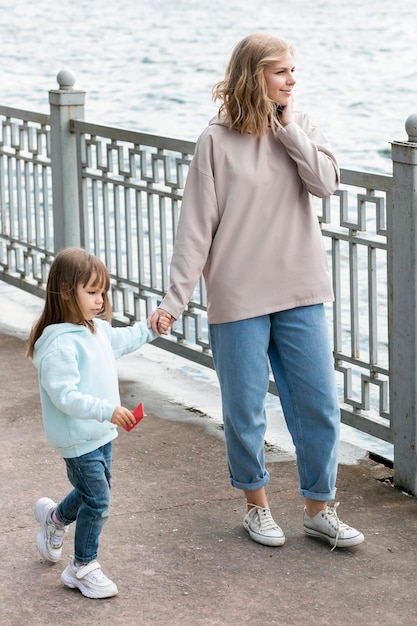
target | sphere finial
[
  {"x": 66, "y": 80},
  {"x": 411, "y": 127}
]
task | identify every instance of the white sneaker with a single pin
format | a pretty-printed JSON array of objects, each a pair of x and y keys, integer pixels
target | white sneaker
[
  {"x": 326, "y": 525},
  {"x": 262, "y": 528},
  {"x": 50, "y": 536},
  {"x": 89, "y": 579}
]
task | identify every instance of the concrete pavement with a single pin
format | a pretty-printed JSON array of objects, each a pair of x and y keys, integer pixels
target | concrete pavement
[{"x": 174, "y": 543}]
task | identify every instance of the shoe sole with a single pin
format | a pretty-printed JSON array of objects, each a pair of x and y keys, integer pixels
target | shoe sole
[
  {"x": 272, "y": 542},
  {"x": 74, "y": 583},
  {"x": 341, "y": 542}
]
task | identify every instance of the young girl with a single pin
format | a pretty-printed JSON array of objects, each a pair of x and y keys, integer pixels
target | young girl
[{"x": 75, "y": 354}]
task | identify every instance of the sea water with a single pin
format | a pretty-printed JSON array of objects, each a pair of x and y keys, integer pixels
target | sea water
[{"x": 150, "y": 64}]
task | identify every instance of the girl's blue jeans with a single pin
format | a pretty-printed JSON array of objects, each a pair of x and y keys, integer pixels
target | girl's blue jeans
[
  {"x": 88, "y": 503},
  {"x": 296, "y": 344}
]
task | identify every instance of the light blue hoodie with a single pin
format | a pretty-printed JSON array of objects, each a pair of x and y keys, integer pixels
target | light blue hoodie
[{"x": 78, "y": 382}]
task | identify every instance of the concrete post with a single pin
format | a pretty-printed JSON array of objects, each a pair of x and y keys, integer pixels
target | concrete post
[
  {"x": 65, "y": 104},
  {"x": 402, "y": 302}
]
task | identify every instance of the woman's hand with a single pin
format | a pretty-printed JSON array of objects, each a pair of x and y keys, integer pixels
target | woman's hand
[{"x": 287, "y": 114}]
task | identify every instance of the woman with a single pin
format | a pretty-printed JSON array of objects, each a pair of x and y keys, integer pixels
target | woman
[{"x": 248, "y": 224}]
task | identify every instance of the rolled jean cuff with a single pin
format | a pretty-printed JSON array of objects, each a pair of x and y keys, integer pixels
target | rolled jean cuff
[
  {"x": 250, "y": 486},
  {"x": 321, "y": 497}
]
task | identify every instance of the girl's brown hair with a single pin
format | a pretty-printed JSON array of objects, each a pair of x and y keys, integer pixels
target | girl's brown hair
[
  {"x": 70, "y": 268},
  {"x": 243, "y": 92}
]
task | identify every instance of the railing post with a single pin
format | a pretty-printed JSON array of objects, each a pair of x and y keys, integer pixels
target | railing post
[
  {"x": 66, "y": 103},
  {"x": 402, "y": 312}
]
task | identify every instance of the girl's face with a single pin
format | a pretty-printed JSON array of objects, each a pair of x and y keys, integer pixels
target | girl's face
[
  {"x": 280, "y": 80},
  {"x": 90, "y": 299}
]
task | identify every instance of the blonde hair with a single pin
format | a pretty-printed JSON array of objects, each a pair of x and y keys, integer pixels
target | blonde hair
[
  {"x": 70, "y": 268},
  {"x": 243, "y": 91}
]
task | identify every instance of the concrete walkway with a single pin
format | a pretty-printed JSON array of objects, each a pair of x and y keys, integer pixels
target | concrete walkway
[{"x": 174, "y": 543}]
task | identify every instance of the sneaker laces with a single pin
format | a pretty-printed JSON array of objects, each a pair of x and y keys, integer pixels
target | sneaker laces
[
  {"x": 266, "y": 520},
  {"x": 57, "y": 536},
  {"x": 332, "y": 516}
]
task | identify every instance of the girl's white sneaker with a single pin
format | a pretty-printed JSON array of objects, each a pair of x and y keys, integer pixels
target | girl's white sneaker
[
  {"x": 50, "y": 536},
  {"x": 89, "y": 579}
]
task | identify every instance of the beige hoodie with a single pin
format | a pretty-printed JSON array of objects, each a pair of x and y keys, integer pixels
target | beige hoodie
[{"x": 248, "y": 224}]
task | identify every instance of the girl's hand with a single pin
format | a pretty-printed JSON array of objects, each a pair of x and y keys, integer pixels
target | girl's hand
[
  {"x": 123, "y": 417},
  {"x": 160, "y": 321},
  {"x": 165, "y": 322}
]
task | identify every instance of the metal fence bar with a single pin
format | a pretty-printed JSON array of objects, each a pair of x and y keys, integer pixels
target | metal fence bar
[{"x": 26, "y": 225}]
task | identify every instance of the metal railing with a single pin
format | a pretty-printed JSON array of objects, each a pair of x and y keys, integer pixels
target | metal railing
[{"x": 118, "y": 193}]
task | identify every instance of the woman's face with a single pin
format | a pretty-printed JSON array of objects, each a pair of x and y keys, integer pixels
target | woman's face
[{"x": 280, "y": 79}]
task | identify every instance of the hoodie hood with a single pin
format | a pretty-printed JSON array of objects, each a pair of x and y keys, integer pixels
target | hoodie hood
[
  {"x": 219, "y": 121},
  {"x": 50, "y": 334}
]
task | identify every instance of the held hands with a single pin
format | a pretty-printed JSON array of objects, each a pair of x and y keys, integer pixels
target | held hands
[{"x": 160, "y": 321}]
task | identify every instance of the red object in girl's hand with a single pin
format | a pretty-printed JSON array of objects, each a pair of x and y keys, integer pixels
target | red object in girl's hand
[{"x": 139, "y": 413}]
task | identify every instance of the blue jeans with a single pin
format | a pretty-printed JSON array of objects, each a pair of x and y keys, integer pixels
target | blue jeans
[
  {"x": 88, "y": 503},
  {"x": 296, "y": 344}
]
